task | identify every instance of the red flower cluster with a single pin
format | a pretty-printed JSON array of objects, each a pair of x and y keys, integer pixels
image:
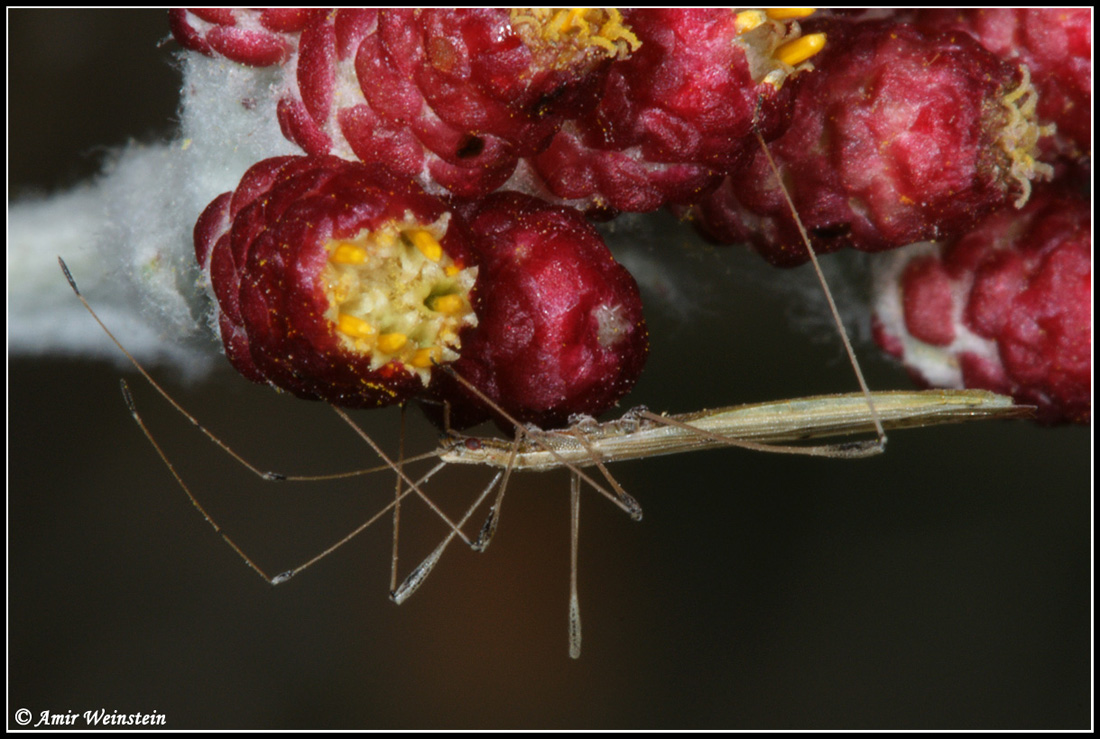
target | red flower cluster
[
  {"x": 340, "y": 281},
  {"x": 895, "y": 133},
  {"x": 1008, "y": 308},
  {"x": 1056, "y": 46},
  {"x": 898, "y": 136}
]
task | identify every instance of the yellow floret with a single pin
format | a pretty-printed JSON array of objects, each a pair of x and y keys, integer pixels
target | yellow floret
[
  {"x": 797, "y": 51},
  {"x": 783, "y": 14},
  {"x": 345, "y": 253},
  {"x": 424, "y": 358},
  {"x": 425, "y": 243},
  {"x": 354, "y": 326},
  {"x": 449, "y": 304},
  {"x": 392, "y": 343}
]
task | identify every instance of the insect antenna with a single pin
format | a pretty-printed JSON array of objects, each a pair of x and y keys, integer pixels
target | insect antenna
[
  {"x": 266, "y": 475},
  {"x": 413, "y": 486}
]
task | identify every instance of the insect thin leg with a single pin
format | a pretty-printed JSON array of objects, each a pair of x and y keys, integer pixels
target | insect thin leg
[
  {"x": 623, "y": 499},
  {"x": 417, "y": 577},
  {"x": 828, "y": 293},
  {"x": 540, "y": 439},
  {"x": 485, "y": 536},
  {"x": 358, "y": 530},
  {"x": 844, "y": 450},
  {"x": 574, "y": 603},
  {"x": 397, "y": 498},
  {"x": 401, "y": 474}
]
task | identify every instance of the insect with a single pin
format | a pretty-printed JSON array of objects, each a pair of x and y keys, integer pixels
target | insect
[{"x": 588, "y": 444}]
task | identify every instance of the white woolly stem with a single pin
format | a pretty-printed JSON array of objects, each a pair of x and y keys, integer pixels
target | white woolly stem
[{"x": 127, "y": 236}]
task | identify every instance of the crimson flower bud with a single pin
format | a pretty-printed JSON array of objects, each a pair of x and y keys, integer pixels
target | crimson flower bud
[
  {"x": 336, "y": 280},
  {"x": 1006, "y": 308},
  {"x": 898, "y": 136},
  {"x": 560, "y": 329}
]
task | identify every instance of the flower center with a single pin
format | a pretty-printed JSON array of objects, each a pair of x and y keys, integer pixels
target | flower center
[{"x": 394, "y": 294}]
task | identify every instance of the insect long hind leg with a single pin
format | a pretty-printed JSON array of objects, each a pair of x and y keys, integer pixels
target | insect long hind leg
[{"x": 879, "y": 430}]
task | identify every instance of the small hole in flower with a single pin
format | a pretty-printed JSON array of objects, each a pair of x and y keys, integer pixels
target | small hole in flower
[{"x": 471, "y": 147}]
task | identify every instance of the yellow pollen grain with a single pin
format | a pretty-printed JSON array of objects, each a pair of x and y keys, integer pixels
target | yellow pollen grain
[
  {"x": 425, "y": 243},
  {"x": 450, "y": 304},
  {"x": 422, "y": 358},
  {"x": 353, "y": 326},
  {"x": 345, "y": 253},
  {"x": 783, "y": 14},
  {"x": 391, "y": 343},
  {"x": 801, "y": 49},
  {"x": 451, "y": 270}
]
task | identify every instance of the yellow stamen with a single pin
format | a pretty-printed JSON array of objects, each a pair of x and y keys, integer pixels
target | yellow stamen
[
  {"x": 574, "y": 18},
  {"x": 783, "y": 14},
  {"x": 801, "y": 49},
  {"x": 391, "y": 343},
  {"x": 451, "y": 270},
  {"x": 354, "y": 326},
  {"x": 345, "y": 253},
  {"x": 425, "y": 243},
  {"x": 422, "y": 358},
  {"x": 451, "y": 304},
  {"x": 749, "y": 19}
]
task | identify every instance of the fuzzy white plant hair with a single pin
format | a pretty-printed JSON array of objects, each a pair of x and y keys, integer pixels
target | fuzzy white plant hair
[{"x": 127, "y": 235}]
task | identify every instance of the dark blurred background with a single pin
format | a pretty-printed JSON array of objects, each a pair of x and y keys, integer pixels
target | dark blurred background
[{"x": 943, "y": 584}]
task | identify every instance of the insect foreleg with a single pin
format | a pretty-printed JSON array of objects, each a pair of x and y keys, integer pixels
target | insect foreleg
[{"x": 421, "y": 572}]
